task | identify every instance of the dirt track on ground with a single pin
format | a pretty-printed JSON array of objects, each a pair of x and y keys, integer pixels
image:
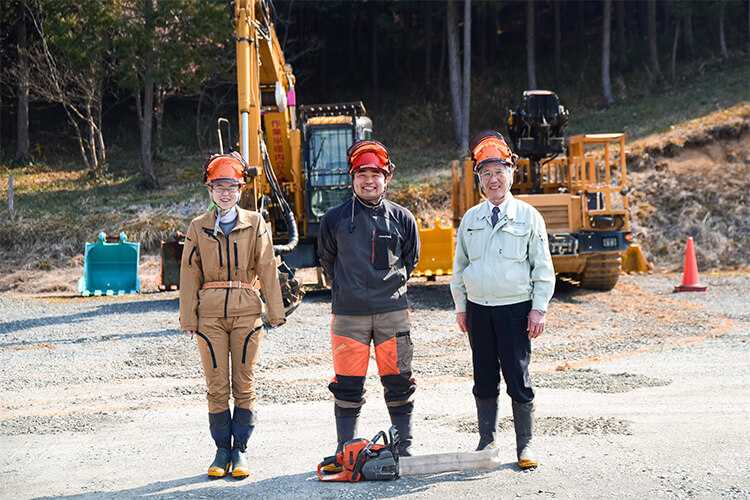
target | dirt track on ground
[{"x": 103, "y": 396}]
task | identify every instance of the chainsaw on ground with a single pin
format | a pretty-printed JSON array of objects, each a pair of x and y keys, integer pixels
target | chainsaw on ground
[{"x": 364, "y": 460}]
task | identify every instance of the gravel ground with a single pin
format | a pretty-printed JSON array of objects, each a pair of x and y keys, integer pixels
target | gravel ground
[{"x": 76, "y": 373}]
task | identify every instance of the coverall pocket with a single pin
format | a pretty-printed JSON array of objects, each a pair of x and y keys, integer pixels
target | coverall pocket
[
  {"x": 383, "y": 250},
  {"x": 210, "y": 347},
  {"x": 404, "y": 351}
]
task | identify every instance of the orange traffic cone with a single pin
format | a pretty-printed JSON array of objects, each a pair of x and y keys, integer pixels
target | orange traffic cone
[{"x": 690, "y": 281}]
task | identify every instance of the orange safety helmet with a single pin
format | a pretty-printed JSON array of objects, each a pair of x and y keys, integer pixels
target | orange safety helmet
[
  {"x": 229, "y": 167},
  {"x": 488, "y": 146},
  {"x": 369, "y": 154}
]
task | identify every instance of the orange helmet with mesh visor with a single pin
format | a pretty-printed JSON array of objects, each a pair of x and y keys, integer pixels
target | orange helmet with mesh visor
[
  {"x": 489, "y": 146},
  {"x": 369, "y": 154},
  {"x": 226, "y": 168}
]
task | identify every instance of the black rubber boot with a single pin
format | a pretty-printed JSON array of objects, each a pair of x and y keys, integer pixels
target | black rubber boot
[
  {"x": 487, "y": 422},
  {"x": 243, "y": 424},
  {"x": 346, "y": 426},
  {"x": 220, "y": 425},
  {"x": 523, "y": 421},
  {"x": 401, "y": 418}
]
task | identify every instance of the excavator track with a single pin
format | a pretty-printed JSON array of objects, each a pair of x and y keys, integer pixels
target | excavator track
[{"x": 602, "y": 271}]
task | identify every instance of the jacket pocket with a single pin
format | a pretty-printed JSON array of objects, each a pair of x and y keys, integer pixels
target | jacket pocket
[
  {"x": 475, "y": 242},
  {"x": 514, "y": 242},
  {"x": 383, "y": 250},
  {"x": 243, "y": 251}
]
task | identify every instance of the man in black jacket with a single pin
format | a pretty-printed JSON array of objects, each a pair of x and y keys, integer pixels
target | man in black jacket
[{"x": 368, "y": 248}]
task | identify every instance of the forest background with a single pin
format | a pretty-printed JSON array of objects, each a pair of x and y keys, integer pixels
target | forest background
[{"x": 108, "y": 108}]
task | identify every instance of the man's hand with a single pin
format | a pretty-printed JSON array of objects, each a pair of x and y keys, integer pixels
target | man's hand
[
  {"x": 190, "y": 332},
  {"x": 461, "y": 320},
  {"x": 535, "y": 324}
]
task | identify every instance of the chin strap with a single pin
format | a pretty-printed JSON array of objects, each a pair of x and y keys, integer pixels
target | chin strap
[{"x": 221, "y": 214}]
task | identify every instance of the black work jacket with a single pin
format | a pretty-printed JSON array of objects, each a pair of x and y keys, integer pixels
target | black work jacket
[{"x": 368, "y": 258}]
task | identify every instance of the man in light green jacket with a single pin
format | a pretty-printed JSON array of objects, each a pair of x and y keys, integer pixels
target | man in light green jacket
[{"x": 502, "y": 282}]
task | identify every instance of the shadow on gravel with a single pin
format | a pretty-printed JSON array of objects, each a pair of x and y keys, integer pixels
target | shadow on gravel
[
  {"x": 135, "y": 307},
  {"x": 303, "y": 485},
  {"x": 89, "y": 338},
  {"x": 307, "y": 485},
  {"x": 160, "y": 487}
]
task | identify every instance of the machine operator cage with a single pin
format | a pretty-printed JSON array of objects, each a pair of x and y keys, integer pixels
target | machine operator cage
[{"x": 329, "y": 131}]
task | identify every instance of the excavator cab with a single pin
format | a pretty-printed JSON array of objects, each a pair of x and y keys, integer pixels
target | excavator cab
[{"x": 328, "y": 130}]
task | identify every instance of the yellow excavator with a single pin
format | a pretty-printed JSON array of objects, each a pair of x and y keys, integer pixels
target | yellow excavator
[
  {"x": 297, "y": 154},
  {"x": 298, "y": 170}
]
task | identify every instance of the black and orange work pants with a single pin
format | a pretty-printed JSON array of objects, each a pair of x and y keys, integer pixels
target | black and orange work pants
[{"x": 350, "y": 343}]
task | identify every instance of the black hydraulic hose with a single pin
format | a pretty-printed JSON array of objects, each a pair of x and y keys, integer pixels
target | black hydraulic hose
[{"x": 291, "y": 224}]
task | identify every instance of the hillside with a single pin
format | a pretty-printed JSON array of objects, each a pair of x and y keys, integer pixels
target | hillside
[
  {"x": 693, "y": 180},
  {"x": 690, "y": 181}
]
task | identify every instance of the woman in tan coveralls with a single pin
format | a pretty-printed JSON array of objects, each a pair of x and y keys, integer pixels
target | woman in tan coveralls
[{"x": 225, "y": 251}]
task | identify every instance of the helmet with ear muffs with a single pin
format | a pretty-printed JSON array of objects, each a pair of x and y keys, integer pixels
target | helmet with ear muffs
[
  {"x": 489, "y": 146},
  {"x": 369, "y": 154},
  {"x": 230, "y": 167}
]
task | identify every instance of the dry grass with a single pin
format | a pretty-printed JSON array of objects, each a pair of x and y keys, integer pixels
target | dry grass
[{"x": 695, "y": 181}]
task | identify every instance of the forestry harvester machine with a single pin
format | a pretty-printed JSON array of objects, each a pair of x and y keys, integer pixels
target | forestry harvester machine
[{"x": 582, "y": 195}]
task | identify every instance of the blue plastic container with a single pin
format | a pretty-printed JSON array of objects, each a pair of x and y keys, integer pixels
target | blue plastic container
[{"x": 110, "y": 268}]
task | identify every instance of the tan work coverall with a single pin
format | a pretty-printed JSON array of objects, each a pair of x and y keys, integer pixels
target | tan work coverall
[{"x": 227, "y": 320}]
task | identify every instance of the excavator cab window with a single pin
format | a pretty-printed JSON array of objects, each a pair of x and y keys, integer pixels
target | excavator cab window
[{"x": 327, "y": 177}]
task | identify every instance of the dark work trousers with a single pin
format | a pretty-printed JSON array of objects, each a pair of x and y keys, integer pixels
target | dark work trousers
[{"x": 499, "y": 341}]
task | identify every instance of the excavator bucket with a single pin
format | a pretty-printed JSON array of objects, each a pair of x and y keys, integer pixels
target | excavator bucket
[
  {"x": 110, "y": 267},
  {"x": 436, "y": 255},
  {"x": 633, "y": 260},
  {"x": 171, "y": 259}
]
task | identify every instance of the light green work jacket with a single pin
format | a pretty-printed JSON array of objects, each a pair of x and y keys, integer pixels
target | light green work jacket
[{"x": 507, "y": 264}]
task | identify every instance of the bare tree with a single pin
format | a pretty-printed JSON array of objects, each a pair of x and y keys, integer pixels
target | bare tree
[
  {"x": 77, "y": 87},
  {"x": 466, "y": 104},
  {"x": 144, "y": 99},
  {"x": 454, "y": 70},
  {"x": 136, "y": 57},
  {"x": 22, "y": 88},
  {"x": 374, "y": 48},
  {"x": 652, "y": 51},
  {"x": 558, "y": 42},
  {"x": 622, "y": 48},
  {"x": 427, "y": 17},
  {"x": 460, "y": 86},
  {"x": 689, "y": 40},
  {"x": 609, "y": 100},
  {"x": 722, "y": 38},
  {"x": 530, "y": 61},
  {"x": 673, "y": 69}
]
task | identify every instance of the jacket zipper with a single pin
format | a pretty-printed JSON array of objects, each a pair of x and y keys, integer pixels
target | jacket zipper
[
  {"x": 372, "y": 256},
  {"x": 229, "y": 276},
  {"x": 236, "y": 260}
]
